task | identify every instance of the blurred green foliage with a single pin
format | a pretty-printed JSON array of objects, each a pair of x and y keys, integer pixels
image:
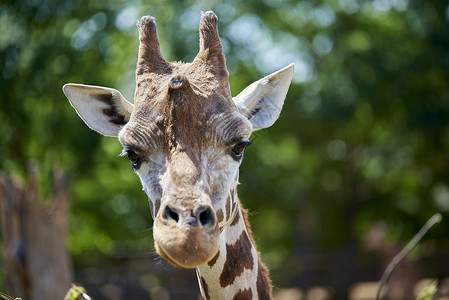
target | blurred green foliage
[
  {"x": 363, "y": 137},
  {"x": 428, "y": 292}
]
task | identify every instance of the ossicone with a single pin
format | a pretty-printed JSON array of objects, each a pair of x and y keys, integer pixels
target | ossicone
[
  {"x": 150, "y": 58},
  {"x": 211, "y": 49},
  {"x": 178, "y": 82}
]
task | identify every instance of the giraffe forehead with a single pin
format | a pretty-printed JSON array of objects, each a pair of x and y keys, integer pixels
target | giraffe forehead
[
  {"x": 183, "y": 103},
  {"x": 195, "y": 75},
  {"x": 163, "y": 126}
]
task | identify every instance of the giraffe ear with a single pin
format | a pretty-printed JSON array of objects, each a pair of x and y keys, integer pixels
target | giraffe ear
[
  {"x": 261, "y": 102},
  {"x": 103, "y": 109}
]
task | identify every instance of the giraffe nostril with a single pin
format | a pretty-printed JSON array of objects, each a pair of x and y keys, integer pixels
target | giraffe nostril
[
  {"x": 206, "y": 217},
  {"x": 170, "y": 213}
]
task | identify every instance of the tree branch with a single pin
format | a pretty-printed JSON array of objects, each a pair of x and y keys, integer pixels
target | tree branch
[{"x": 436, "y": 218}]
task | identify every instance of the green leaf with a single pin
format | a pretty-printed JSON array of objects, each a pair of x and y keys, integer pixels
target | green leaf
[
  {"x": 77, "y": 292},
  {"x": 428, "y": 292}
]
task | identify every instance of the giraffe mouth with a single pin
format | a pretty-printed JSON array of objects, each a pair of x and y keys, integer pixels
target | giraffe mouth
[
  {"x": 160, "y": 250},
  {"x": 186, "y": 246},
  {"x": 186, "y": 262}
]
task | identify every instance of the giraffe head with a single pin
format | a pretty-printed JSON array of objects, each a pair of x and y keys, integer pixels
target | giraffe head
[{"x": 185, "y": 136}]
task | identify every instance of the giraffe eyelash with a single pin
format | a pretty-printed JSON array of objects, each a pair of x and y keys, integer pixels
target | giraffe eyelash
[
  {"x": 133, "y": 157},
  {"x": 238, "y": 149}
]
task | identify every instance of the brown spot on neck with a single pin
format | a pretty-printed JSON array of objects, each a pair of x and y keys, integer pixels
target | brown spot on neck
[
  {"x": 263, "y": 283},
  {"x": 264, "y": 287},
  {"x": 243, "y": 295},
  {"x": 205, "y": 288},
  {"x": 238, "y": 258},
  {"x": 236, "y": 219},
  {"x": 212, "y": 262}
]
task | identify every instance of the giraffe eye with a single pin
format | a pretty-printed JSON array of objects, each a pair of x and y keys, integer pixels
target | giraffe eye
[
  {"x": 237, "y": 150},
  {"x": 133, "y": 157}
]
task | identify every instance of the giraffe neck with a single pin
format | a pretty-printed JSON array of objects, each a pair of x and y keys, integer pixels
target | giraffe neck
[{"x": 236, "y": 272}]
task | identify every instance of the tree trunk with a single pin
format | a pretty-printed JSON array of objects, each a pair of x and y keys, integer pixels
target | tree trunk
[{"x": 36, "y": 262}]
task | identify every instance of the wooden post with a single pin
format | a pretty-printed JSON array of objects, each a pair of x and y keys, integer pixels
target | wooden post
[{"x": 36, "y": 262}]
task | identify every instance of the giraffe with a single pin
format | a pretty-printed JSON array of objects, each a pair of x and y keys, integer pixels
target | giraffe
[{"x": 185, "y": 137}]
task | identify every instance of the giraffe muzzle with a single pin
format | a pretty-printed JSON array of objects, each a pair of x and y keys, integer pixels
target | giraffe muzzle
[
  {"x": 186, "y": 237},
  {"x": 202, "y": 215}
]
